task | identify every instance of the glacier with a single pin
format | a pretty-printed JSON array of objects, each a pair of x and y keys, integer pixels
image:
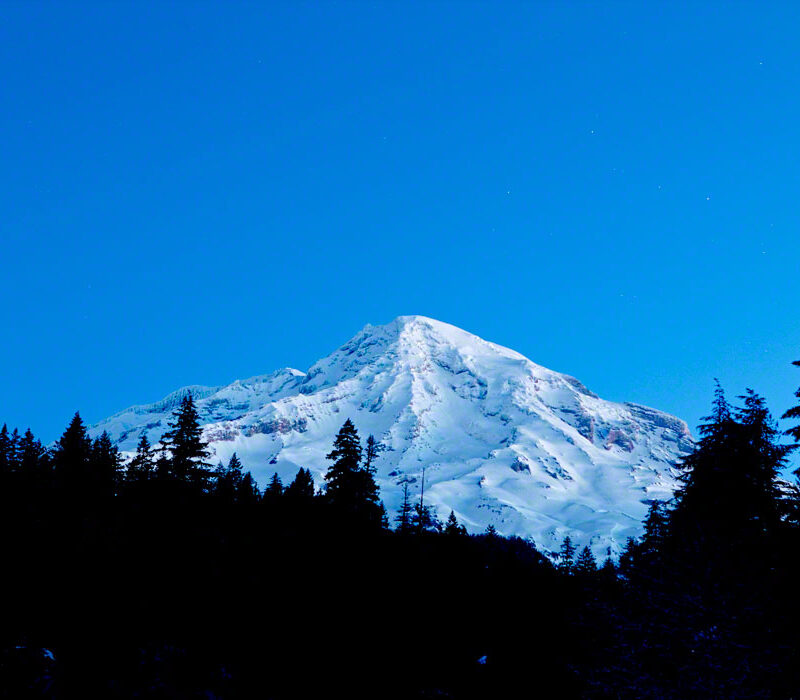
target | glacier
[{"x": 501, "y": 440}]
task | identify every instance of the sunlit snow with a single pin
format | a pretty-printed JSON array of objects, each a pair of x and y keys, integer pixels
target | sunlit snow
[{"x": 504, "y": 441}]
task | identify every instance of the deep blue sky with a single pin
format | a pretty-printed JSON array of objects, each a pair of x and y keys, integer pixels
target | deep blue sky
[{"x": 195, "y": 195}]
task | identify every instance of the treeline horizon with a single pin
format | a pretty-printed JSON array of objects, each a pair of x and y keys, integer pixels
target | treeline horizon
[{"x": 164, "y": 576}]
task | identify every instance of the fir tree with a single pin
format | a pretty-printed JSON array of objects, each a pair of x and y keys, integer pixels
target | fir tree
[
  {"x": 6, "y": 456},
  {"x": 608, "y": 571},
  {"x": 586, "y": 564},
  {"x": 627, "y": 558},
  {"x": 452, "y": 527},
  {"x": 104, "y": 465},
  {"x": 142, "y": 466},
  {"x": 403, "y": 518},
  {"x": 423, "y": 519},
  {"x": 729, "y": 483},
  {"x": 235, "y": 465},
  {"x": 32, "y": 456},
  {"x": 13, "y": 450},
  {"x": 187, "y": 449},
  {"x": 763, "y": 458},
  {"x": 301, "y": 490},
  {"x": 371, "y": 451},
  {"x": 794, "y": 414},
  {"x": 247, "y": 491},
  {"x": 274, "y": 491},
  {"x": 346, "y": 457},
  {"x": 566, "y": 555},
  {"x": 708, "y": 471},
  {"x": 350, "y": 487},
  {"x": 655, "y": 525},
  {"x": 491, "y": 531},
  {"x": 72, "y": 455},
  {"x": 228, "y": 479}
]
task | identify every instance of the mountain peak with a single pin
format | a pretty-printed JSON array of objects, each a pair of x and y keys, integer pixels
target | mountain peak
[{"x": 503, "y": 441}]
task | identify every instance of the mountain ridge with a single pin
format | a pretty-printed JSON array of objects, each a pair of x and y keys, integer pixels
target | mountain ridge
[{"x": 504, "y": 441}]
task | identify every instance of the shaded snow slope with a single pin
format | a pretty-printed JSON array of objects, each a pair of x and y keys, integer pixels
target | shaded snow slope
[{"x": 503, "y": 440}]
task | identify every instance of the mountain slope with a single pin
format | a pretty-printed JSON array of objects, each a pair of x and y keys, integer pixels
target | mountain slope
[{"x": 502, "y": 440}]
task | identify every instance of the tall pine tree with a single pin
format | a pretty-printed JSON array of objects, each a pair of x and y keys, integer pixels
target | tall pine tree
[
  {"x": 142, "y": 467},
  {"x": 351, "y": 487},
  {"x": 403, "y": 518},
  {"x": 187, "y": 449}
]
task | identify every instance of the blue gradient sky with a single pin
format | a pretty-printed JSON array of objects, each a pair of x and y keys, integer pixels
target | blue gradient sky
[{"x": 194, "y": 195}]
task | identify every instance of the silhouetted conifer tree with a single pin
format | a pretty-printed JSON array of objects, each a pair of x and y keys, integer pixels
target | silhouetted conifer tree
[
  {"x": 403, "y": 517},
  {"x": 655, "y": 527},
  {"x": 142, "y": 466},
  {"x": 763, "y": 458},
  {"x": 585, "y": 564},
  {"x": 729, "y": 488},
  {"x": 13, "y": 450},
  {"x": 351, "y": 488},
  {"x": 228, "y": 479},
  {"x": 274, "y": 491},
  {"x": 187, "y": 450},
  {"x": 452, "y": 527},
  {"x": 72, "y": 455},
  {"x": 104, "y": 466},
  {"x": 371, "y": 450},
  {"x": 247, "y": 491},
  {"x": 566, "y": 555},
  {"x": 794, "y": 414},
  {"x": 6, "y": 456},
  {"x": 608, "y": 571},
  {"x": 628, "y": 556},
  {"x": 32, "y": 457},
  {"x": 301, "y": 490},
  {"x": 423, "y": 519}
]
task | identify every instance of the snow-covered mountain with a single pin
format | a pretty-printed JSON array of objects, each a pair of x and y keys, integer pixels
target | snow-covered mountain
[{"x": 502, "y": 440}]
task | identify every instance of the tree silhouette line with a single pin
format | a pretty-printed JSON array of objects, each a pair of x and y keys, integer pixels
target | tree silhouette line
[{"x": 165, "y": 576}]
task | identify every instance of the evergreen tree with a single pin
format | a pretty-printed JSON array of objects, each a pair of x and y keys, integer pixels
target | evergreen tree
[
  {"x": 14, "y": 451},
  {"x": 229, "y": 479},
  {"x": 274, "y": 491},
  {"x": 763, "y": 459},
  {"x": 32, "y": 456},
  {"x": 627, "y": 558},
  {"x": 383, "y": 516},
  {"x": 423, "y": 519},
  {"x": 403, "y": 517},
  {"x": 301, "y": 490},
  {"x": 163, "y": 462},
  {"x": 655, "y": 525},
  {"x": 187, "y": 449},
  {"x": 346, "y": 457},
  {"x": 452, "y": 527},
  {"x": 350, "y": 487},
  {"x": 794, "y": 414},
  {"x": 247, "y": 491},
  {"x": 71, "y": 456},
  {"x": 586, "y": 564},
  {"x": 371, "y": 451},
  {"x": 142, "y": 466},
  {"x": 491, "y": 531},
  {"x": 104, "y": 466},
  {"x": 235, "y": 465},
  {"x": 729, "y": 486},
  {"x": 608, "y": 571},
  {"x": 566, "y": 555},
  {"x": 708, "y": 471},
  {"x": 6, "y": 456}
]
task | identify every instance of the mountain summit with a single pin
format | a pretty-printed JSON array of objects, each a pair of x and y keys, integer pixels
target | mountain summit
[{"x": 502, "y": 440}]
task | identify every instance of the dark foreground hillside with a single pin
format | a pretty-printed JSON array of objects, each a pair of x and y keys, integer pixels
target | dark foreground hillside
[{"x": 166, "y": 578}]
